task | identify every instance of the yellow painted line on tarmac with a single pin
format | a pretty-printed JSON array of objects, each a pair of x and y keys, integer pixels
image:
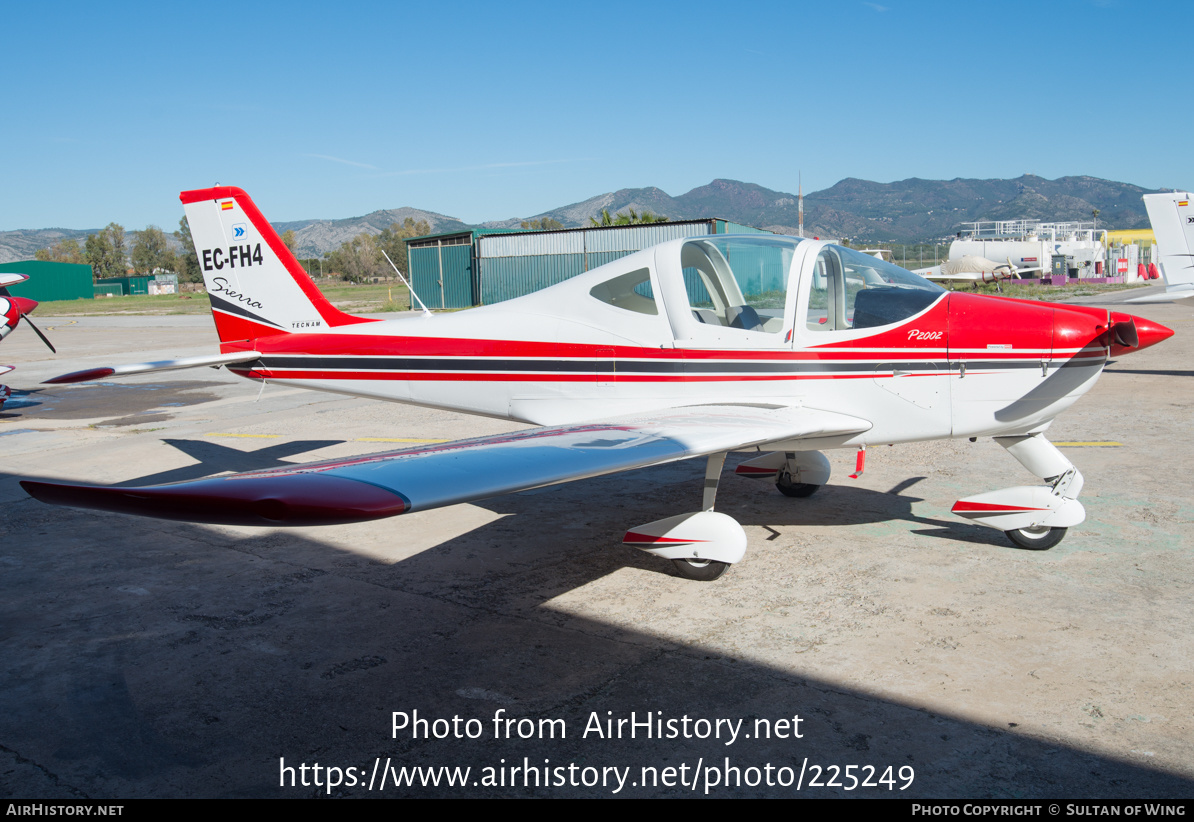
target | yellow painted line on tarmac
[
  {"x": 393, "y": 439},
  {"x": 246, "y": 436},
  {"x": 1107, "y": 444}
]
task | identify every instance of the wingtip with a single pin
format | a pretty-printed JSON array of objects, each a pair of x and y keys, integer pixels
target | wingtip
[
  {"x": 301, "y": 499},
  {"x": 80, "y": 376}
]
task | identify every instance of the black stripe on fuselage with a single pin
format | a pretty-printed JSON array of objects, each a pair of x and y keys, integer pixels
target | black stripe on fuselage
[{"x": 436, "y": 364}]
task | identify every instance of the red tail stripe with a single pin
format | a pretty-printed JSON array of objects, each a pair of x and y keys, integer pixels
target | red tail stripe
[{"x": 330, "y": 314}]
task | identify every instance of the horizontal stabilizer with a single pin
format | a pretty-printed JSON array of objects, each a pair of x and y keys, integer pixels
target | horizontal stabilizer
[
  {"x": 431, "y": 476},
  {"x": 146, "y": 367},
  {"x": 1179, "y": 292}
]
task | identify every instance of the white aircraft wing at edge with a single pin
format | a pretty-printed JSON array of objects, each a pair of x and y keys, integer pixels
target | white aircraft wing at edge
[{"x": 419, "y": 478}]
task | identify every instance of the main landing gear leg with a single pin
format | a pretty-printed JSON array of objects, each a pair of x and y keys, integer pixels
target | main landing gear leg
[
  {"x": 700, "y": 545},
  {"x": 713, "y": 468},
  {"x": 1032, "y": 517}
]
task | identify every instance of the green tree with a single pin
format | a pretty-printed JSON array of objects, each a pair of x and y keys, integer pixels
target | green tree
[
  {"x": 106, "y": 253},
  {"x": 151, "y": 251},
  {"x": 358, "y": 260},
  {"x": 63, "y": 251},
  {"x": 187, "y": 264},
  {"x": 288, "y": 239},
  {"x": 392, "y": 241},
  {"x": 543, "y": 224},
  {"x": 633, "y": 218}
]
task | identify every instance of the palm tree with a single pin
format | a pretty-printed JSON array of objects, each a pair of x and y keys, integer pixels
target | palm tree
[{"x": 633, "y": 218}]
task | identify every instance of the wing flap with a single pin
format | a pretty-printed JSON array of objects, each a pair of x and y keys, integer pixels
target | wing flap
[{"x": 424, "y": 477}]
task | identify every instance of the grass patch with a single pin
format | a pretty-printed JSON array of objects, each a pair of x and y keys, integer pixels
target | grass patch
[
  {"x": 139, "y": 304},
  {"x": 352, "y": 298},
  {"x": 1049, "y": 293}
]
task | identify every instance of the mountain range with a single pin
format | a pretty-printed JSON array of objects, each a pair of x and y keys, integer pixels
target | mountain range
[{"x": 905, "y": 211}]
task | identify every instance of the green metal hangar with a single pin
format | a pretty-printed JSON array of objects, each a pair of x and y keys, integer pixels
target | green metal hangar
[
  {"x": 50, "y": 281},
  {"x": 486, "y": 266}
]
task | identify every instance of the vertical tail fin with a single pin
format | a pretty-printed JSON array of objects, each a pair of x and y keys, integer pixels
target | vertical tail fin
[
  {"x": 1172, "y": 218},
  {"x": 256, "y": 286}
]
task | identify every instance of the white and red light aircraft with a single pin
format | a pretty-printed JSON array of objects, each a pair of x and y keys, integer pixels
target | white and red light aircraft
[
  {"x": 12, "y": 309},
  {"x": 692, "y": 348}
]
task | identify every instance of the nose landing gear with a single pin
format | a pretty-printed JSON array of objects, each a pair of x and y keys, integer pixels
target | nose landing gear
[{"x": 1032, "y": 517}]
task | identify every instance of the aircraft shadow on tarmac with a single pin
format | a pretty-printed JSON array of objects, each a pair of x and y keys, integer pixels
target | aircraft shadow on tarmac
[
  {"x": 1150, "y": 372},
  {"x": 213, "y": 458},
  {"x": 150, "y": 658}
]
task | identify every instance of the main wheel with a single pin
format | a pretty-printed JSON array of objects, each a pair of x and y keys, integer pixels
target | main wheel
[
  {"x": 702, "y": 570},
  {"x": 794, "y": 489},
  {"x": 1036, "y": 539}
]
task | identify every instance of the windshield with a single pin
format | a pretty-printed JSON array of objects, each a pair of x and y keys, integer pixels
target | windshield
[{"x": 850, "y": 289}]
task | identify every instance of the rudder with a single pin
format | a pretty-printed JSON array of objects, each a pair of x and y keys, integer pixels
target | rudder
[{"x": 1172, "y": 219}]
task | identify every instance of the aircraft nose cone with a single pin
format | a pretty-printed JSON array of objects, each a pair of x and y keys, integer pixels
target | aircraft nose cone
[
  {"x": 1137, "y": 333},
  {"x": 1150, "y": 333},
  {"x": 24, "y": 304}
]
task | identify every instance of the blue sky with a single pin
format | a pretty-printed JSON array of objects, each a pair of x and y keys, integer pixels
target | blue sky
[{"x": 492, "y": 110}]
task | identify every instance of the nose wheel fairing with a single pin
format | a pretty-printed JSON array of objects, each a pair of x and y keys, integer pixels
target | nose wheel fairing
[{"x": 1033, "y": 517}]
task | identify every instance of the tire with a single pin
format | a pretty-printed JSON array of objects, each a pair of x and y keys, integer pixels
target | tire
[
  {"x": 701, "y": 570},
  {"x": 1036, "y": 539},
  {"x": 794, "y": 489}
]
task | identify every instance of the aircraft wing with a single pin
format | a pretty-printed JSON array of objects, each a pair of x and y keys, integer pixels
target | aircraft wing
[
  {"x": 146, "y": 367},
  {"x": 414, "y": 479}
]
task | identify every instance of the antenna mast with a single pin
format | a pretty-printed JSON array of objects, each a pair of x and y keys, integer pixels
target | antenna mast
[
  {"x": 800, "y": 201},
  {"x": 409, "y": 287}
]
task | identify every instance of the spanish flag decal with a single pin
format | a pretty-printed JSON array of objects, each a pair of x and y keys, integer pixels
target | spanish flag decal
[
  {"x": 1183, "y": 202},
  {"x": 226, "y": 206}
]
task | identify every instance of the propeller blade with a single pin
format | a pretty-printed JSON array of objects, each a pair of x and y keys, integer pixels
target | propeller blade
[{"x": 25, "y": 317}]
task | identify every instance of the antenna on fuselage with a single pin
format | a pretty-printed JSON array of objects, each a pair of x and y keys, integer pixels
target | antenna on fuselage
[
  {"x": 800, "y": 200},
  {"x": 409, "y": 287}
]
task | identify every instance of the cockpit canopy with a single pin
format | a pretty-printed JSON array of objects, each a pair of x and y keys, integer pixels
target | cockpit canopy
[{"x": 743, "y": 281}]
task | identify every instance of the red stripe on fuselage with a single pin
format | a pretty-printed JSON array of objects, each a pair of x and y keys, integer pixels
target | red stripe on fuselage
[
  {"x": 376, "y": 345},
  {"x": 470, "y": 376}
]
